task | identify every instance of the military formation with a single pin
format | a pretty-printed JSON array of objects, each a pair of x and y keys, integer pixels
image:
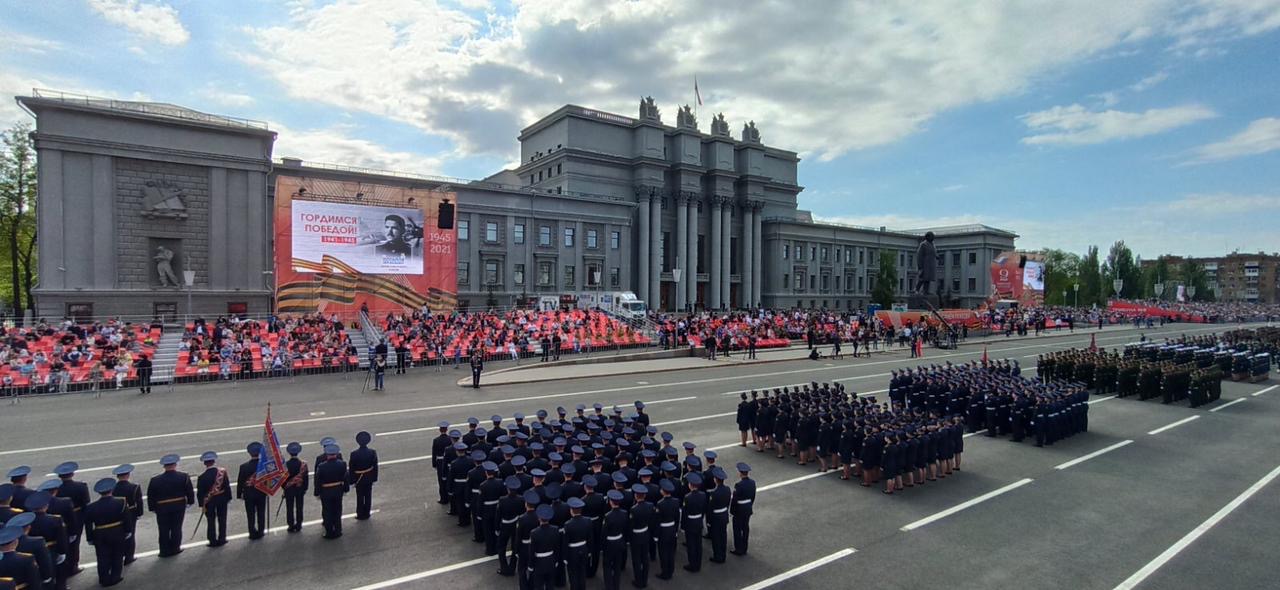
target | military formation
[
  {"x": 1189, "y": 369},
  {"x": 43, "y": 526},
  {"x": 825, "y": 424},
  {"x": 560, "y": 499}
]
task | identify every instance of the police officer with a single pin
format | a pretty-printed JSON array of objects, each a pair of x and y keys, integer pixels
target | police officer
[
  {"x": 213, "y": 489},
  {"x": 78, "y": 493},
  {"x": 255, "y": 501},
  {"x": 331, "y": 486},
  {"x": 614, "y": 535},
  {"x": 21, "y": 569},
  {"x": 131, "y": 493},
  {"x": 744, "y": 497},
  {"x": 109, "y": 525},
  {"x": 295, "y": 487},
  {"x": 695, "y": 507},
  {"x": 363, "y": 474},
  {"x": 579, "y": 538},
  {"x": 34, "y": 547}
]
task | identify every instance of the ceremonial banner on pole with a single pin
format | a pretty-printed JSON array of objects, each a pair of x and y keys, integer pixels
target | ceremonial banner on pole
[{"x": 271, "y": 470}]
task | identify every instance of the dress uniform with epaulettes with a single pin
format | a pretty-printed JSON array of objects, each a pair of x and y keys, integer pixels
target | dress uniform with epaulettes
[
  {"x": 109, "y": 525},
  {"x": 131, "y": 493},
  {"x": 168, "y": 495}
]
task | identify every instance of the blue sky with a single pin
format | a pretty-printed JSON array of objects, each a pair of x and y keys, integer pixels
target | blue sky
[{"x": 1152, "y": 121}]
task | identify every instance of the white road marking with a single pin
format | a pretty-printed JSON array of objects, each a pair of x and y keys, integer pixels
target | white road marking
[
  {"x": 1079, "y": 460},
  {"x": 1191, "y": 537},
  {"x": 975, "y": 433},
  {"x": 791, "y": 573},
  {"x": 966, "y": 504},
  {"x": 794, "y": 480},
  {"x": 1100, "y": 400},
  {"x": 681, "y": 421},
  {"x": 317, "y": 414},
  {"x": 156, "y": 552},
  {"x": 1175, "y": 424},
  {"x": 429, "y": 573},
  {"x": 1229, "y": 404},
  {"x": 1258, "y": 393}
]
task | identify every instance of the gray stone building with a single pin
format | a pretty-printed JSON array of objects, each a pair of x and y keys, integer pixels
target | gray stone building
[{"x": 132, "y": 194}]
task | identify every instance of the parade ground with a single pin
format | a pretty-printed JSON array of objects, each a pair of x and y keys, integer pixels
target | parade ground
[{"x": 1152, "y": 496}]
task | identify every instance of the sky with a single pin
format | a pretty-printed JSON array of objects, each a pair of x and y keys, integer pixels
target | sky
[{"x": 1071, "y": 123}]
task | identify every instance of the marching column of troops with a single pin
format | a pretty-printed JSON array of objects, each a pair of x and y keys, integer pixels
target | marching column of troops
[
  {"x": 1178, "y": 370},
  {"x": 558, "y": 500},
  {"x": 42, "y": 527}
]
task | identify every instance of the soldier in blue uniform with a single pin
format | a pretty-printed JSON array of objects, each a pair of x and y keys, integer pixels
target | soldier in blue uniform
[
  {"x": 21, "y": 569},
  {"x": 718, "y": 503},
  {"x": 510, "y": 507},
  {"x": 544, "y": 545},
  {"x": 441, "y": 446},
  {"x": 78, "y": 493},
  {"x": 578, "y": 544},
  {"x": 7, "y": 510},
  {"x": 131, "y": 493},
  {"x": 614, "y": 540},
  {"x": 694, "y": 508},
  {"x": 35, "y": 547},
  {"x": 109, "y": 525},
  {"x": 331, "y": 486},
  {"x": 667, "y": 521},
  {"x": 363, "y": 474},
  {"x": 525, "y": 526},
  {"x": 18, "y": 479},
  {"x": 491, "y": 492},
  {"x": 213, "y": 488},
  {"x": 255, "y": 501},
  {"x": 54, "y": 531},
  {"x": 168, "y": 495},
  {"x": 295, "y": 487}
]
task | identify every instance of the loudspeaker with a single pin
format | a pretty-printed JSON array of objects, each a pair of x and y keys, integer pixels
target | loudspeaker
[
  {"x": 1022, "y": 261},
  {"x": 445, "y": 218}
]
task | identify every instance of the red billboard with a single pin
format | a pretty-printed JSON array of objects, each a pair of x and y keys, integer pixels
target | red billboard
[
  {"x": 1018, "y": 277},
  {"x": 341, "y": 245}
]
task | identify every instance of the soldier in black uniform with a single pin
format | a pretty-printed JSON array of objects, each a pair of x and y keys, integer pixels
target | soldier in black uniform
[
  {"x": 363, "y": 474},
  {"x": 78, "y": 493},
  {"x": 21, "y": 569},
  {"x": 63, "y": 510},
  {"x": 109, "y": 525},
  {"x": 7, "y": 511},
  {"x": 34, "y": 547},
  {"x": 491, "y": 492},
  {"x": 718, "y": 503},
  {"x": 52, "y": 529},
  {"x": 694, "y": 508},
  {"x": 18, "y": 479},
  {"x": 295, "y": 487},
  {"x": 255, "y": 501},
  {"x": 579, "y": 540},
  {"x": 331, "y": 486},
  {"x": 544, "y": 545},
  {"x": 524, "y": 529},
  {"x": 458, "y": 495},
  {"x": 614, "y": 540},
  {"x": 131, "y": 493},
  {"x": 641, "y": 518},
  {"x": 213, "y": 488},
  {"x": 595, "y": 507},
  {"x": 441, "y": 446},
  {"x": 510, "y": 507}
]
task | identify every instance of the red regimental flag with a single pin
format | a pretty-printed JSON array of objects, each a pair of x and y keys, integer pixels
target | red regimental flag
[{"x": 271, "y": 472}]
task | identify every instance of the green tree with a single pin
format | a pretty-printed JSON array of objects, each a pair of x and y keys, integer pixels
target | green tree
[
  {"x": 1061, "y": 271},
  {"x": 1193, "y": 275},
  {"x": 1158, "y": 272},
  {"x": 886, "y": 280},
  {"x": 1122, "y": 265},
  {"x": 17, "y": 214},
  {"x": 1090, "y": 279}
]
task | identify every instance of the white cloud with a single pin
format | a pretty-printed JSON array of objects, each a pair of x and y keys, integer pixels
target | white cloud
[
  {"x": 335, "y": 145},
  {"x": 1260, "y": 137},
  {"x": 954, "y": 187},
  {"x": 226, "y": 98},
  {"x": 1149, "y": 82},
  {"x": 18, "y": 42},
  {"x": 848, "y": 77},
  {"x": 156, "y": 21},
  {"x": 1218, "y": 204},
  {"x": 1077, "y": 125}
]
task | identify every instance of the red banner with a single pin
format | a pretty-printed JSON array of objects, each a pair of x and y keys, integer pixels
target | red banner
[
  {"x": 1139, "y": 309},
  {"x": 955, "y": 317}
]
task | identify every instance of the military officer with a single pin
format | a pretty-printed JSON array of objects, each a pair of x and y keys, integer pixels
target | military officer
[
  {"x": 214, "y": 491},
  {"x": 491, "y": 493},
  {"x": 579, "y": 538},
  {"x": 641, "y": 518},
  {"x": 78, "y": 493},
  {"x": 109, "y": 525},
  {"x": 718, "y": 502},
  {"x": 510, "y": 507},
  {"x": 18, "y": 478},
  {"x": 744, "y": 497},
  {"x": 331, "y": 486},
  {"x": 525, "y": 526},
  {"x": 295, "y": 487},
  {"x": 35, "y": 547},
  {"x": 694, "y": 509},
  {"x": 614, "y": 536},
  {"x": 440, "y": 458},
  {"x": 65, "y": 512},
  {"x": 131, "y": 493},
  {"x": 52, "y": 529},
  {"x": 322, "y": 457},
  {"x": 21, "y": 569},
  {"x": 544, "y": 545},
  {"x": 255, "y": 500},
  {"x": 363, "y": 474},
  {"x": 7, "y": 510}
]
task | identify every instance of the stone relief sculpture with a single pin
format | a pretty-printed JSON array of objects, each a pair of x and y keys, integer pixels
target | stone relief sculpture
[
  {"x": 649, "y": 110},
  {"x": 686, "y": 118},
  {"x": 719, "y": 126},
  {"x": 164, "y": 267},
  {"x": 164, "y": 200}
]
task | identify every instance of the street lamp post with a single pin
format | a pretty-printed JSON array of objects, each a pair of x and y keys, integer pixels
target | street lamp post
[
  {"x": 1159, "y": 288},
  {"x": 189, "y": 277},
  {"x": 676, "y": 271},
  {"x": 1064, "y": 296},
  {"x": 1118, "y": 285},
  {"x": 1076, "y": 286},
  {"x": 1191, "y": 292}
]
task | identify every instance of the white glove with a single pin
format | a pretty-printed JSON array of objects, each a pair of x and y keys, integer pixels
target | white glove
[
  {"x": 61, "y": 558},
  {"x": 128, "y": 536},
  {"x": 74, "y": 538}
]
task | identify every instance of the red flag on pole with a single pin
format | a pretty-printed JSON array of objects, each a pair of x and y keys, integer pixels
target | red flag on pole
[
  {"x": 271, "y": 471},
  {"x": 984, "y": 355},
  {"x": 696, "y": 95}
]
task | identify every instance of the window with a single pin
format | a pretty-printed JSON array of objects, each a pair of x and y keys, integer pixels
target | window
[
  {"x": 464, "y": 229},
  {"x": 862, "y": 259},
  {"x": 615, "y": 240},
  {"x": 517, "y": 274},
  {"x": 568, "y": 237},
  {"x": 799, "y": 281},
  {"x": 826, "y": 254},
  {"x": 615, "y": 277},
  {"x": 568, "y": 276},
  {"x": 826, "y": 282},
  {"x": 490, "y": 231},
  {"x": 848, "y": 282},
  {"x": 544, "y": 273},
  {"x": 859, "y": 284},
  {"x": 813, "y": 252},
  {"x": 591, "y": 239},
  {"x": 519, "y": 233},
  {"x": 955, "y": 258},
  {"x": 557, "y": 170},
  {"x": 902, "y": 259},
  {"x": 544, "y": 235},
  {"x": 902, "y": 284},
  {"x": 911, "y": 260},
  {"x": 955, "y": 285},
  {"x": 593, "y": 275},
  {"x": 973, "y": 258},
  {"x": 813, "y": 281},
  {"x": 539, "y": 176},
  {"x": 786, "y": 280},
  {"x": 973, "y": 284},
  {"x": 837, "y": 255},
  {"x": 464, "y": 272},
  {"x": 491, "y": 272},
  {"x": 786, "y": 251},
  {"x": 799, "y": 252}
]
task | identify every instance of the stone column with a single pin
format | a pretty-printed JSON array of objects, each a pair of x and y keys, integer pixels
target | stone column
[
  {"x": 655, "y": 252},
  {"x": 693, "y": 251},
  {"x": 726, "y": 213},
  {"x": 748, "y": 259},
  {"x": 713, "y": 249},
  {"x": 757, "y": 245},
  {"x": 682, "y": 249},
  {"x": 642, "y": 277}
]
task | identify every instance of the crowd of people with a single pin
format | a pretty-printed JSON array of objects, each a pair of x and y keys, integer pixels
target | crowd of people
[
  {"x": 559, "y": 498},
  {"x": 233, "y": 347},
  {"x": 49, "y": 358}
]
